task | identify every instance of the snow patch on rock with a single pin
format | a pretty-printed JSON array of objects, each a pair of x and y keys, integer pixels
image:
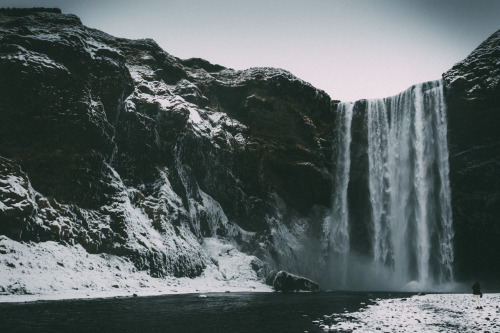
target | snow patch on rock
[
  {"x": 37, "y": 61},
  {"x": 48, "y": 270}
]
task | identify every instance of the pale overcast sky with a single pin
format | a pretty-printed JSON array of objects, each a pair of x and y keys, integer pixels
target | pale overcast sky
[{"x": 352, "y": 49}]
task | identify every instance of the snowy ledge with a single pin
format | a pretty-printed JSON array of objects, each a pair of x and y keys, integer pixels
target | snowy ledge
[
  {"x": 426, "y": 313},
  {"x": 51, "y": 271}
]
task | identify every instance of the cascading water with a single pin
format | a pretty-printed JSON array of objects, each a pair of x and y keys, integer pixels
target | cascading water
[
  {"x": 409, "y": 192},
  {"x": 338, "y": 230}
]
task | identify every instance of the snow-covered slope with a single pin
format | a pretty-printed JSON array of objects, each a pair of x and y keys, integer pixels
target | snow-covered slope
[
  {"x": 48, "y": 270},
  {"x": 426, "y": 313},
  {"x": 112, "y": 148}
]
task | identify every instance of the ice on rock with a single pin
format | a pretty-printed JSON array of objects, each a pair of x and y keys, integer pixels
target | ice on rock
[
  {"x": 38, "y": 61},
  {"x": 71, "y": 272},
  {"x": 194, "y": 116}
]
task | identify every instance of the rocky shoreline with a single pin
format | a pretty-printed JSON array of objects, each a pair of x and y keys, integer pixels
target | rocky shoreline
[{"x": 420, "y": 313}]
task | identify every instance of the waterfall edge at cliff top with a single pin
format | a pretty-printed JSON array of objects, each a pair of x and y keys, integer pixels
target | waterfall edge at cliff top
[{"x": 408, "y": 197}]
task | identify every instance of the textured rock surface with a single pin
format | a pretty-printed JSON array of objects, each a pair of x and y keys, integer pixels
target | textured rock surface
[
  {"x": 117, "y": 146},
  {"x": 473, "y": 97},
  {"x": 287, "y": 282}
]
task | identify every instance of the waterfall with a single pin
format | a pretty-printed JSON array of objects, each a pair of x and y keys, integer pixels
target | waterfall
[
  {"x": 338, "y": 222},
  {"x": 437, "y": 103},
  {"x": 339, "y": 235},
  {"x": 377, "y": 125},
  {"x": 408, "y": 183}
]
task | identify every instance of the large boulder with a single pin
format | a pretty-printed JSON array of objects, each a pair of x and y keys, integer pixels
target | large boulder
[{"x": 286, "y": 282}]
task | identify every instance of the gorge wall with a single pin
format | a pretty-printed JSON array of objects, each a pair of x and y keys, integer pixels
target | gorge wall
[
  {"x": 117, "y": 146},
  {"x": 473, "y": 99}
]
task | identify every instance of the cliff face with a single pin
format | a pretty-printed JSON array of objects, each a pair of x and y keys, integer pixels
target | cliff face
[
  {"x": 120, "y": 147},
  {"x": 473, "y": 98}
]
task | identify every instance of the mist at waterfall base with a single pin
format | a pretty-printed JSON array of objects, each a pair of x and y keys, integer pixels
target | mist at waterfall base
[{"x": 390, "y": 227}]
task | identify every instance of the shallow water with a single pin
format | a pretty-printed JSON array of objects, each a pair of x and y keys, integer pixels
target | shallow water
[{"x": 217, "y": 312}]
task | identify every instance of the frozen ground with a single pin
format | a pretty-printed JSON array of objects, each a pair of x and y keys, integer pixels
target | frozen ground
[
  {"x": 48, "y": 270},
  {"x": 427, "y": 313}
]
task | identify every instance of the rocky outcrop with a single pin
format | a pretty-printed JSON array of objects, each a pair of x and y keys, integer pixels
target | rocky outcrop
[
  {"x": 118, "y": 146},
  {"x": 473, "y": 98},
  {"x": 124, "y": 149},
  {"x": 286, "y": 282}
]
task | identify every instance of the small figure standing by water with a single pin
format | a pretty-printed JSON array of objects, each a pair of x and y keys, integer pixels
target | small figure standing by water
[{"x": 476, "y": 291}]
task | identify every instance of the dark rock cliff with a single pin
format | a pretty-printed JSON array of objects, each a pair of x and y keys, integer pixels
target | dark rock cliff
[
  {"x": 473, "y": 98},
  {"x": 116, "y": 145}
]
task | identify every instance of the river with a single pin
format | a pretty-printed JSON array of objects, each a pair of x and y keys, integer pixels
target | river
[{"x": 212, "y": 312}]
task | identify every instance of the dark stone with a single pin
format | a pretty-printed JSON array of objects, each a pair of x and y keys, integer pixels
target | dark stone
[
  {"x": 286, "y": 282},
  {"x": 473, "y": 100},
  {"x": 26, "y": 11},
  {"x": 202, "y": 63},
  {"x": 270, "y": 277}
]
